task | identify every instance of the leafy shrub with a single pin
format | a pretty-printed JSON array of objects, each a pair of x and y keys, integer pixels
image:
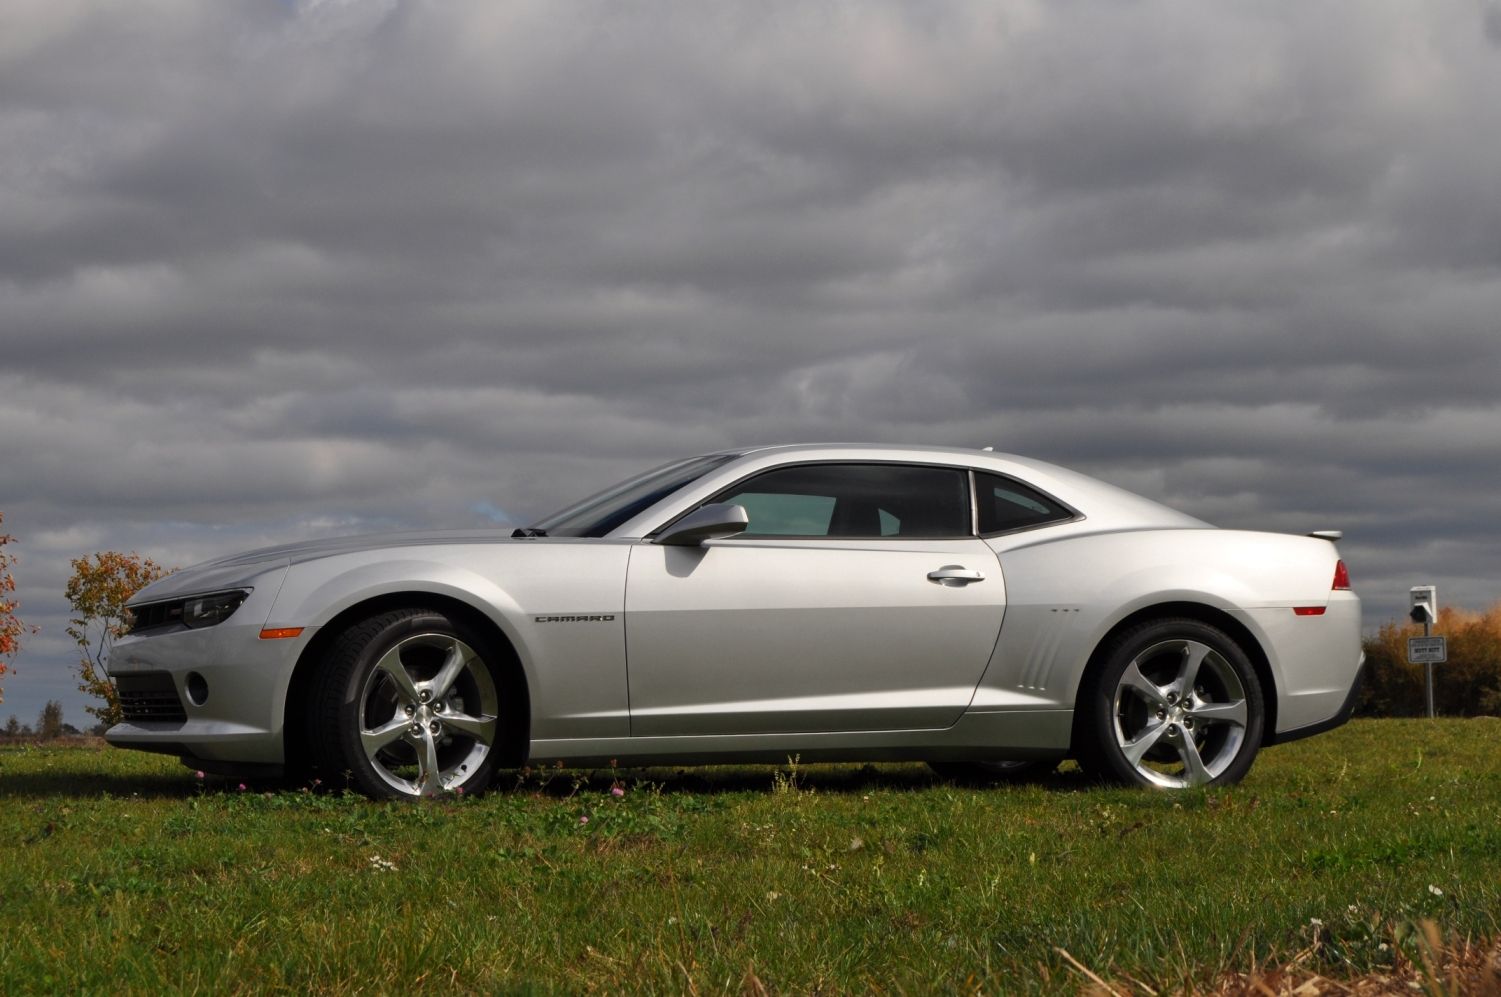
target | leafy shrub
[
  {"x": 1467, "y": 685},
  {"x": 11, "y": 628},
  {"x": 97, "y": 592}
]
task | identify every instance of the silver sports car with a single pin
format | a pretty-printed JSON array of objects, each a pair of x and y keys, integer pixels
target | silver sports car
[{"x": 986, "y": 613}]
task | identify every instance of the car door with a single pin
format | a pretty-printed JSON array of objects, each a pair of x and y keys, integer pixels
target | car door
[{"x": 859, "y": 598}]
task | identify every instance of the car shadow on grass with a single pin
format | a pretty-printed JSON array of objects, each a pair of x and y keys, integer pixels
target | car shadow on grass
[
  {"x": 82, "y": 785},
  {"x": 721, "y": 779},
  {"x": 70, "y": 775},
  {"x": 81, "y": 768}
]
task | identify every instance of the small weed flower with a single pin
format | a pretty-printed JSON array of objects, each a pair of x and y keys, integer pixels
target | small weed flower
[
  {"x": 1435, "y": 890},
  {"x": 382, "y": 865},
  {"x": 459, "y": 791},
  {"x": 617, "y": 791},
  {"x": 242, "y": 787},
  {"x": 583, "y": 818},
  {"x": 198, "y": 775}
]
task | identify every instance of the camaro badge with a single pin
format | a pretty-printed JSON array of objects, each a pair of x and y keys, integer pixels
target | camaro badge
[{"x": 591, "y": 618}]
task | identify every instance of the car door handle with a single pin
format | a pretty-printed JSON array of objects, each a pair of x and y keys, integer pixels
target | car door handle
[{"x": 956, "y": 574}]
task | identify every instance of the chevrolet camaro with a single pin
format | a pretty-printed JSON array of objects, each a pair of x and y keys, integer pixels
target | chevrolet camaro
[{"x": 989, "y": 614}]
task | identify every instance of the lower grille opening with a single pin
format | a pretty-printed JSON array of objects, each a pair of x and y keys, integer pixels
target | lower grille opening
[{"x": 149, "y": 697}]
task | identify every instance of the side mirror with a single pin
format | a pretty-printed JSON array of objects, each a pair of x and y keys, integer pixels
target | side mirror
[{"x": 709, "y": 522}]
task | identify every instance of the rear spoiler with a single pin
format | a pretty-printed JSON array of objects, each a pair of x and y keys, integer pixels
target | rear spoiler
[{"x": 1329, "y": 535}]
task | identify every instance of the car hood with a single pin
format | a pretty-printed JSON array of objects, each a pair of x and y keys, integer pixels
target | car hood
[
  {"x": 308, "y": 550},
  {"x": 240, "y": 569}
]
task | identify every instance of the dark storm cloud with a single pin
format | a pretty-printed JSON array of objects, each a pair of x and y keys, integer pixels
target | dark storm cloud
[{"x": 275, "y": 270}]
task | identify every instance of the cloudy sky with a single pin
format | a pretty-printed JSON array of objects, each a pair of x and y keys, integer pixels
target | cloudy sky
[{"x": 272, "y": 270}]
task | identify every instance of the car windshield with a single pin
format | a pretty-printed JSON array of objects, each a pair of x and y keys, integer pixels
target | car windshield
[{"x": 604, "y": 511}]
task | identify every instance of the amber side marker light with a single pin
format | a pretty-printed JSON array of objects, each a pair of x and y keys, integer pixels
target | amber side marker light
[{"x": 280, "y": 633}]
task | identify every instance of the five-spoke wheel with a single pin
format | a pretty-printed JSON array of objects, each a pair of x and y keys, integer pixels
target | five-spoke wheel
[
  {"x": 410, "y": 706},
  {"x": 1176, "y": 704}
]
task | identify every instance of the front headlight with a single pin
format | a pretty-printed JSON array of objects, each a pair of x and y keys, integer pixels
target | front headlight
[
  {"x": 195, "y": 612},
  {"x": 207, "y": 610}
]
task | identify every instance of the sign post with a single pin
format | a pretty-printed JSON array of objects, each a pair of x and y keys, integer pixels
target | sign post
[{"x": 1427, "y": 649}]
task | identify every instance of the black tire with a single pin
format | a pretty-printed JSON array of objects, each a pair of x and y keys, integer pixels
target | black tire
[
  {"x": 992, "y": 773},
  {"x": 390, "y": 737},
  {"x": 1139, "y": 728}
]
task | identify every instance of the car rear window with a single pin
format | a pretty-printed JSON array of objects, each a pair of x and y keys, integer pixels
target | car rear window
[{"x": 1005, "y": 504}]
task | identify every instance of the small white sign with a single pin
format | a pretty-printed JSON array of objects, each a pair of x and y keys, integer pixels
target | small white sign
[{"x": 1427, "y": 650}]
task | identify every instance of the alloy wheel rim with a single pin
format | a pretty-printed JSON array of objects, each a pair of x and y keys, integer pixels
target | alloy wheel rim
[
  {"x": 428, "y": 714},
  {"x": 1180, "y": 713}
]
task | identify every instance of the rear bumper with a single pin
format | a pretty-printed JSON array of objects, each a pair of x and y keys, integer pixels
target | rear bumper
[
  {"x": 1315, "y": 661},
  {"x": 1346, "y": 710}
]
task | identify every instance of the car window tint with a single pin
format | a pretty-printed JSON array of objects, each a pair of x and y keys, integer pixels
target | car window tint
[
  {"x": 855, "y": 501},
  {"x": 1004, "y": 504},
  {"x": 789, "y": 515}
]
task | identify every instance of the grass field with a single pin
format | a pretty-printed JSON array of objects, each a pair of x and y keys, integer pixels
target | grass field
[{"x": 122, "y": 871}]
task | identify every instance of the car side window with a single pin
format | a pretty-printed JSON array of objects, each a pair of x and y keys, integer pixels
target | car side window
[
  {"x": 784, "y": 514},
  {"x": 1005, "y": 504},
  {"x": 854, "y": 501}
]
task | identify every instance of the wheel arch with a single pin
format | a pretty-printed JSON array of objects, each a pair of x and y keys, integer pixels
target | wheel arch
[
  {"x": 515, "y": 698},
  {"x": 1199, "y": 612}
]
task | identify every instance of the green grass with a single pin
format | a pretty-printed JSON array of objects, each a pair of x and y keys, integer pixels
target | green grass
[{"x": 119, "y": 871}]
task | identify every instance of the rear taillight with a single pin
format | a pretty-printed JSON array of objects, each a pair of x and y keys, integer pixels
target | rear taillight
[{"x": 1341, "y": 577}]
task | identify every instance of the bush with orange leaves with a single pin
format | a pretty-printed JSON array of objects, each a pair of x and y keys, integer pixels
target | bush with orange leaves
[
  {"x": 11, "y": 627},
  {"x": 1467, "y": 685},
  {"x": 98, "y": 591}
]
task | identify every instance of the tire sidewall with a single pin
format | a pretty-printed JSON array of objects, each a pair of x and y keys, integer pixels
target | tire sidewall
[
  {"x": 1101, "y": 704},
  {"x": 367, "y": 649}
]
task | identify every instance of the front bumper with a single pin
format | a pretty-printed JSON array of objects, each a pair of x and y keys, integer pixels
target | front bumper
[{"x": 230, "y": 688}]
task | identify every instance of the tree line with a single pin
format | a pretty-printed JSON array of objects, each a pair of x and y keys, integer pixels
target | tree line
[
  {"x": 97, "y": 591},
  {"x": 49, "y": 726},
  {"x": 1468, "y": 684}
]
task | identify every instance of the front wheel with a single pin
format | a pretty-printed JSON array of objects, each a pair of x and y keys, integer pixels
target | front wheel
[
  {"x": 409, "y": 706},
  {"x": 1176, "y": 704}
]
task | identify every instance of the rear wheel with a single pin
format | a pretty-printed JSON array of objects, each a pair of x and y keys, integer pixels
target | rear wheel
[
  {"x": 409, "y": 706},
  {"x": 1176, "y": 704}
]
